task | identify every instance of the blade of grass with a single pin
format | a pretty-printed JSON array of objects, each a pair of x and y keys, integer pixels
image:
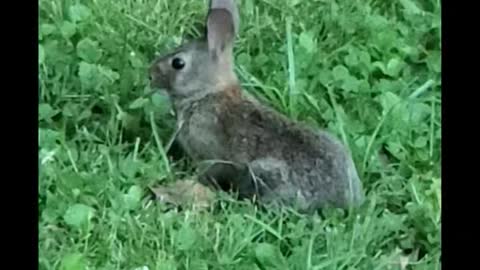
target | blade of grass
[
  {"x": 292, "y": 88},
  {"x": 420, "y": 90},
  {"x": 160, "y": 148},
  {"x": 432, "y": 131},
  {"x": 265, "y": 226}
]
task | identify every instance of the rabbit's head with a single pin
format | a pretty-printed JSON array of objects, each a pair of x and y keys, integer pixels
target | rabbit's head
[{"x": 205, "y": 65}]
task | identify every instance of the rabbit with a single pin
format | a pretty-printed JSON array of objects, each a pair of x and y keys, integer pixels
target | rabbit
[{"x": 256, "y": 151}]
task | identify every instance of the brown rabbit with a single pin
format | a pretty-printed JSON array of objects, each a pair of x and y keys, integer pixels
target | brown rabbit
[{"x": 256, "y": 151}]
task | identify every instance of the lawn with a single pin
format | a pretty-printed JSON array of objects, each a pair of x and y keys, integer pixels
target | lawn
[{"x": 368, "y": 71}]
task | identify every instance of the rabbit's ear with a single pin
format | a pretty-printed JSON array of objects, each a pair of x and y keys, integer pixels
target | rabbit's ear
[
  {"x": 231, "y": 7},
  {"x": 221, "y": 26},
  {"x": 220, "y": 32}
]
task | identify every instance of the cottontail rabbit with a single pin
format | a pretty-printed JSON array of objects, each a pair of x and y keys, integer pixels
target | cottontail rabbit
[{"x": 259, "y": 152}]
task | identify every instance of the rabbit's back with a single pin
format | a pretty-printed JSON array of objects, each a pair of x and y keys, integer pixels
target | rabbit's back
[
  {"x": 298, "y": 164},
  {"x": 287, "y": 161}
]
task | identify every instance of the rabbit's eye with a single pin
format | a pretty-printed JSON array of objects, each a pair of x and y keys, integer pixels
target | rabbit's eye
[{"x": 178, "y": 63}]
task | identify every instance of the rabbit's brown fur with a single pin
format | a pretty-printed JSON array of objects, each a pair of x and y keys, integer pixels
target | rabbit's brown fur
[{"x": 259, "y": 152}]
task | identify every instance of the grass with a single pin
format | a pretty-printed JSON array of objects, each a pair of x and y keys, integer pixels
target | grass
[{"x": 368, "y": 71}]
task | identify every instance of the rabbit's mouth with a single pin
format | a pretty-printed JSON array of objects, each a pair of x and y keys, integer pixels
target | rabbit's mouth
[
  {"x": 158, "y": 78},
  {"x": 159, "y": 81}
]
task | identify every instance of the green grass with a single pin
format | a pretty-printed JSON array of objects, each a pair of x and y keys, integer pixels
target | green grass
[{"x": 368, "y": 71}]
